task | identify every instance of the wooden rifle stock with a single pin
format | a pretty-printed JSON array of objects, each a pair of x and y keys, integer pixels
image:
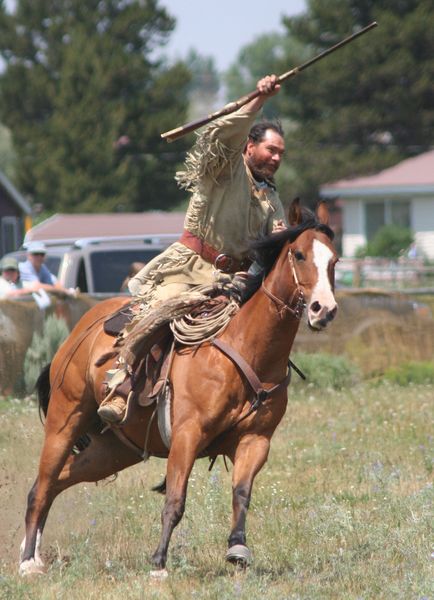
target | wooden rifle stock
[{"x": 178, "y": 132}]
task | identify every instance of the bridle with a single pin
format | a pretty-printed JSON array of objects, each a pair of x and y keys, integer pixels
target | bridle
[{"x": 297, "y": 303}]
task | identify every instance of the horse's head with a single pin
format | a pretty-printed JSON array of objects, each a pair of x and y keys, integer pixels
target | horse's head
[
  {"x": 313, "y": 258},
  {"x": 299, "y": 266}
]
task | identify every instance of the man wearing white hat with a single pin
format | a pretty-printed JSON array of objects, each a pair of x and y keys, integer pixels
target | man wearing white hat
[{"x": 33, "y": 271}]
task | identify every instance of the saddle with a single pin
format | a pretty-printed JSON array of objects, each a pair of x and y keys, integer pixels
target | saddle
[
  {"x": 145, "y": 350},
  {"x": 115, "y": 324}
]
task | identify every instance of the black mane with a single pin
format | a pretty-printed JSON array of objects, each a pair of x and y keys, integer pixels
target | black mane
[{"x": 265, "y": 250}]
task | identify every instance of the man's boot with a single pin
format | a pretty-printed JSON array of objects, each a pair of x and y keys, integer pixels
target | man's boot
[{"x": 113, "y": 408}]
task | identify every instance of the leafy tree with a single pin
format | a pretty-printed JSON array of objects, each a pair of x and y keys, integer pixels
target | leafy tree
[{"x": 86, "y": 99}]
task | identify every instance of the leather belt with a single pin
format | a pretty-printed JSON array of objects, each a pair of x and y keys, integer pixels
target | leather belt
[{"x": 222, "y": 262}]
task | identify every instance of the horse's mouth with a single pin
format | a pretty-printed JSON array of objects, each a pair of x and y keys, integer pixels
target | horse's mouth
[
  {"x": 319, "y": 325},
  {"x": 318, "y": 322}
]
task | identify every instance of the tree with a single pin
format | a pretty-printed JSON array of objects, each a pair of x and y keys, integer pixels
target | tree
[
  {"x": 204, "y": 85},
  {"x": 7, "y": 154},
  {"x": 369, "y": 105},
  {"x": 86, "y": 98},
  {"x": 361, "y": 109},
  {"x": 269, "y": 53}
]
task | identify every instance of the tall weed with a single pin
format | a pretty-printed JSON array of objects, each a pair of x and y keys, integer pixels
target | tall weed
[{"x": 42, "y": 349}]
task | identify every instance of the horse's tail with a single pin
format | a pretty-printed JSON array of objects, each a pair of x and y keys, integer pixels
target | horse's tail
[
  {"x": 43, "y": 390},
  {"x": 160, "y": 487}
]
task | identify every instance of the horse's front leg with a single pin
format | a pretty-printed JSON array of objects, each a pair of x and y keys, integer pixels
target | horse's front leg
[
  {"x": 183, "y": 452},
  {"x": 250, "y": 456}
]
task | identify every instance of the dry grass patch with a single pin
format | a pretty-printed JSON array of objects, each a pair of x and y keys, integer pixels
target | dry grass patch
[{"x": 342, "y": 510}]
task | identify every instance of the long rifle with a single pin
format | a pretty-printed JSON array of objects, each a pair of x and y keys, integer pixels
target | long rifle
[{"x": 174, "y": 134}]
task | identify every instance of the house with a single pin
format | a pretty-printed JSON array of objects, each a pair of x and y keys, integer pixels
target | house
[
  {"x": 68, "y": 228},
  {"x": 15, "y": 216},
  {"x": 401, "y": 195}
]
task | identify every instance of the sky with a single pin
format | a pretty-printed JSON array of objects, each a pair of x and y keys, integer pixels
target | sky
[{"x": 220, "y": 29}]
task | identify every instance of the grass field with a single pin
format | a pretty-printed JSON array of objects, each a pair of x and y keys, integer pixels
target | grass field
[{"x": 342, "y": 510}]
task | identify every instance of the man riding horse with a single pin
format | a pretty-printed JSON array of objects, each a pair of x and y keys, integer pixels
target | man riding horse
[{"x": 230, "y": 172}]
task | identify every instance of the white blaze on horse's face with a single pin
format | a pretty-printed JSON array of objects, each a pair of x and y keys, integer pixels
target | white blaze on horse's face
[{"x": 322, "y": 306}]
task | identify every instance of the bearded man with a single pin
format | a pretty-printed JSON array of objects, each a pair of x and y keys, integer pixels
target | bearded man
[{"x": 230, "y": 173}]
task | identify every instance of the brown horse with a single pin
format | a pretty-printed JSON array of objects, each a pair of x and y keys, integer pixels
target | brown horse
[{"x": 212, "y": 397}]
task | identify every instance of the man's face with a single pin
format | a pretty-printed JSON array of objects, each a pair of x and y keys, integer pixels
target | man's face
[
  {"x": 264, "y": 158},
  {"x": 37, "y": 259},
  {"x": 10, "y": 275}
]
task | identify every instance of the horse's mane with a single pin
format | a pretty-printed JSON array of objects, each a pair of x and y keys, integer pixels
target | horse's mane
[{"x": 266, "y": 248}]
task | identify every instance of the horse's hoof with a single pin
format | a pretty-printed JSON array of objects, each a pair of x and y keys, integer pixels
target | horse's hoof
[
  {"x": 159, "y": 574},
  {"x": 239, "y": 555},
  {"x": 31, "y": 567}
]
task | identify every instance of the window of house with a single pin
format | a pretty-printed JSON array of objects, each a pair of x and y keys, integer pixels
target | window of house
[{"x": 386, "y": 212}]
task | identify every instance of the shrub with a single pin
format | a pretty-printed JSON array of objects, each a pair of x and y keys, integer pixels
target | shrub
[
  {"x": 42, "y": 349},
  {"x": 324, "y": 370},
  {"x": 413, "y": 372},
  {"x": 389, "y": 242}
]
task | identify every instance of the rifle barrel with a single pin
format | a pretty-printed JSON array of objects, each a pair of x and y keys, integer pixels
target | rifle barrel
[{"x": 178, "y": 132}]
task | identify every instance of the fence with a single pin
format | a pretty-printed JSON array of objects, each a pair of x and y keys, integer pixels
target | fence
[{"x": 385, "y": 273}]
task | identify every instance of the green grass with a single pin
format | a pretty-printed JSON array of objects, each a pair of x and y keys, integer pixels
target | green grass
[{"x": 342, "y": 510}]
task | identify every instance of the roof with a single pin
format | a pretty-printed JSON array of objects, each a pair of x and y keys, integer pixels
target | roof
[
  {"x": 61, "y": 226},
  {"x": 411, "y": 176},
  {"x": 14, "y": 194}
]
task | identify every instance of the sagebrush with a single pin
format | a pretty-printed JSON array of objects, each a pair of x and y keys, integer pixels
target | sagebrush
[{"x": 42, "y": 349}]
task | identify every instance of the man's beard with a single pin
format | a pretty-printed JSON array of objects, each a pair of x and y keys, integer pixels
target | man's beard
[{"x": 260, "y": 170}]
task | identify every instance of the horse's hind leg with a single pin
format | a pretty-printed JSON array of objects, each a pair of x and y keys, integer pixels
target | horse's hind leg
[
  {"x": 105, "y": 456},
  {"x": 66, "y": 421},
  {"x": 250, "y": 456}
]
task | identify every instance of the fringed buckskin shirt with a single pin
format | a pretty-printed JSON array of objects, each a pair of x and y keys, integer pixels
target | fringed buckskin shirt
[{"x": 227, "y": 210}]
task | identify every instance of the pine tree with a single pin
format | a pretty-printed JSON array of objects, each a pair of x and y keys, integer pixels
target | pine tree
[
  {"x": 368, "y": 105},
  {"x": 86, "y": 98},
  {"x": 361, "y": 109}
]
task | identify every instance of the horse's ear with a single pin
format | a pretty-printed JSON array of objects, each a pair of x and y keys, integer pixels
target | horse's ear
[
  {"x": 322, "y": 212},
  {"x": 294, "y": 215}
]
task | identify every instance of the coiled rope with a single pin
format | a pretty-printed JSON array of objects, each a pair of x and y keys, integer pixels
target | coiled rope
[{"x": 190, "y": 331}]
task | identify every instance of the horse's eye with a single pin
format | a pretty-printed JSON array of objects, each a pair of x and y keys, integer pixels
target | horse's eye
[{"x": 298, "y": 255}]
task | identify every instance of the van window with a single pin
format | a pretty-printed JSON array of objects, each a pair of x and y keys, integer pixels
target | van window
[{"x": 110, "y": 267}]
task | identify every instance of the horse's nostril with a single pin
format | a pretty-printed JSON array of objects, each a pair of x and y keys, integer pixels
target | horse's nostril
[
  {"x": 315, "y": 306},
  {"x": 331, "y": 314}
]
